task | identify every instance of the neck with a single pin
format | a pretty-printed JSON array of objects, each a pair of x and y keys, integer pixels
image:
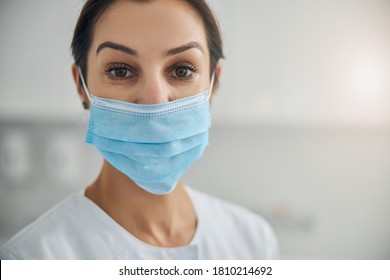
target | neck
[{"x": 161, "y": 220}]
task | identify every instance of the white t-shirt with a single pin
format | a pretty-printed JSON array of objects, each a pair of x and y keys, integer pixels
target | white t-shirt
[{"x": 78, "y": 229}]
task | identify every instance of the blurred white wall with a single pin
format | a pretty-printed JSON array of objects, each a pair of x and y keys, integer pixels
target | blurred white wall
[
  {"x": 301, "y": 121},
  {"x": 316, "y": 62},
  {"x": 36, "y": 81}
]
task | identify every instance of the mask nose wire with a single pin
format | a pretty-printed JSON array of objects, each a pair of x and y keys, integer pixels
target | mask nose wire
[
  {"x": 211, "y": 85},
  {"x": 84, "y": 85}
]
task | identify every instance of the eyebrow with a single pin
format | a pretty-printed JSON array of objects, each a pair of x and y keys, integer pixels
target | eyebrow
[
  {"x": 118, "y": 47},
  {"x": 185, "y": 47},
  {"x": 130, "y": 51}
]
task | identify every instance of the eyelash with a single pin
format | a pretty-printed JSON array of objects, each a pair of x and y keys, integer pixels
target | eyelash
[
  {"x": 112, "y": 67},
  {"x": 131, "y": 73},
  {"x": 187, "y": 66}
]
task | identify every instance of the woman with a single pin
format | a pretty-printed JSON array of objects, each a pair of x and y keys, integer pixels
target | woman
[{"x": 146, "y": 70}]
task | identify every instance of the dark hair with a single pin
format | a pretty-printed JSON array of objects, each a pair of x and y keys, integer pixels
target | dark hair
[{"x": 93, "y": 9}]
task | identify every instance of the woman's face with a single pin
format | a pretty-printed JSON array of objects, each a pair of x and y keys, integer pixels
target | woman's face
[{"x": 148, "y": 53}]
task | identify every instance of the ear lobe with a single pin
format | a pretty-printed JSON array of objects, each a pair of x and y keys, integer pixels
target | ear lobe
[
  {"x": 217, "y": 76},
  {"x": 218, "y": 70},
  {"x": 79, "y": 87}
]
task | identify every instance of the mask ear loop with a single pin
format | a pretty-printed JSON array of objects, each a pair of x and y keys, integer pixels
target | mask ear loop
[
  {"x": 84, "y": 85},
  {"x": 211, "y": 86}
]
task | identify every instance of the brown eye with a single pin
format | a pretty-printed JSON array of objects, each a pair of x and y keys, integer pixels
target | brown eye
[
  {"x": 119, "y": 72},
  {"x": 182, "y": 72}
]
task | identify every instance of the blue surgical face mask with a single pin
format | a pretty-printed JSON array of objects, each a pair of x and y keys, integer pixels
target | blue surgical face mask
[{"x": 152, "y": 144}]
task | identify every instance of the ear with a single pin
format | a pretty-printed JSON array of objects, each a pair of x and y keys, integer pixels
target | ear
[
  {"x": 80, "y": 89},
  {"x": 217, "y": 76}
]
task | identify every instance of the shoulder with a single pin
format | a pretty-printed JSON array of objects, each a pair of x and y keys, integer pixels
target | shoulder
[
  {"x": 44, "y": 232},
  {"x": 248, "y": 231}
]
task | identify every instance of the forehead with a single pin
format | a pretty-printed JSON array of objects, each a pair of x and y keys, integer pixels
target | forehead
[{"x": 150, "y": 26}]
